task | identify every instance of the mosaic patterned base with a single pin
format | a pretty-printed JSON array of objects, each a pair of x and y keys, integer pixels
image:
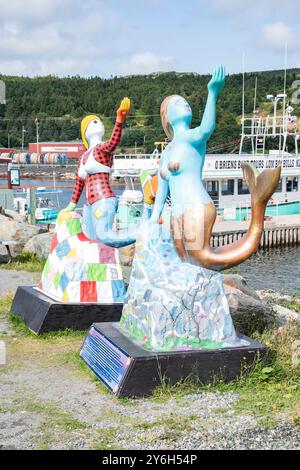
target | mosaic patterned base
[
  {"x": 172, "y": 305},
  {"x": 79, "y": 269}
]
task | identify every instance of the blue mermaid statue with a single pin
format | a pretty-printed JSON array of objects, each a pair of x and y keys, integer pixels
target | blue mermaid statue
[{"x": 176, "y": 298}]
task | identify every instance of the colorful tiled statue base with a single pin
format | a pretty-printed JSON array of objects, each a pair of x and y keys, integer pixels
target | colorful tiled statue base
[
  {"x": 79, "y": 269},
  {"x": 172, "y": 305}
]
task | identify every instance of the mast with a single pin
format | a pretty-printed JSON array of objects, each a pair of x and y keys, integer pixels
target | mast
[
  {"x": 255, "y": 96},
  {"x": 284, "y": 118},
  {"x": 243, "y": 103}
]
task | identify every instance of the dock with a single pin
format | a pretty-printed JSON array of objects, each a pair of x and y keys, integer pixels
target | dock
[{"x": 280, "y": 231}]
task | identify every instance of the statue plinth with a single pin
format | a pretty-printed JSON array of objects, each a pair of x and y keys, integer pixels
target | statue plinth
[
  {"x": 128, "y": 370},
  {"x": 42, "y": 314}
]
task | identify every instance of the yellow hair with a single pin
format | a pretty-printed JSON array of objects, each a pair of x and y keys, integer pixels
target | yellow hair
[
  {"x": 164, "y": 117},
  {"x": 84, "y": 125}
]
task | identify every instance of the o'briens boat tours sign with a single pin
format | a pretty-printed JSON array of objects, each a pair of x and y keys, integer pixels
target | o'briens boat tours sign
[{"x": 231, "y": 165}]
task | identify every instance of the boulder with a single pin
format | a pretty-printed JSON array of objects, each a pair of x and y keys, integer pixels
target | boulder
[
  {"x": 248, "y": 311},
  {"x": 15, "y": 215},
  {"x": 285, "y": 315},
  {"x": 39, "y": 245},
  {"x": 18, "y": 231}
]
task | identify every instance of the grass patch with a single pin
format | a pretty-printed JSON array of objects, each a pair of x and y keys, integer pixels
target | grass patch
[
  {"x": 5, "y": 304},
  {"x": 73, "y": 358},
  {"x": 171, "y": 427},
  {"x": 268, "y": 422},
  {"x": 54, "y": 417},
  {"x": 296, "y": 420},
  {"x": 105, "y": 439},
  {"x": 19, "y": 326},
  {"x": 165, "y": 391},
  {"x": 56, "y": 424},
  {"x": 293, "y": 304},
  {"x": 25, "y": 262},
  {"x": 267, "y": 388},
  {"x": 272, "y": 387}
]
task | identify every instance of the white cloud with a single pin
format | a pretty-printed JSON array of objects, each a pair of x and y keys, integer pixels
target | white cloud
[
  {"x": 278, "y": 35},
  {"x": 148, "y": 62},
  {"x": 232, "y": 6},
  {"x": 30, "y": 10},
  {"x": 256, "y": 7},
  {"x": 57, "y": 38}
]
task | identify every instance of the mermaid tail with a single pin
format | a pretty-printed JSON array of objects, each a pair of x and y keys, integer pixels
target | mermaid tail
[
  {"x": 196, "y": 248},
  {"x": 261, "y": 185}
]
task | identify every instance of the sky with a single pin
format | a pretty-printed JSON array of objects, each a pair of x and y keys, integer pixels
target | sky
[{"x": 125, "y": 37}]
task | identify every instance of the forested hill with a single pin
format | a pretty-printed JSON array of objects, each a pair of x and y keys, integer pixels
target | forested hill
[{"x": 60, "y": 104}]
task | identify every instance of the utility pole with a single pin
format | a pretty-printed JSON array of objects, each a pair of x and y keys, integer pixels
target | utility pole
[
  {"x": 32, "y": 206},
  {"x": 37, "y": 123},
  {"x": 23, "y": 136}
]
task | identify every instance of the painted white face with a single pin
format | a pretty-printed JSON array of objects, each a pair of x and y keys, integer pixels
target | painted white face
[{"x": 95, "y": 129}]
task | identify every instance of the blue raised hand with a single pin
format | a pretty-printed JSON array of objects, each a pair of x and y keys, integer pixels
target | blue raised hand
[{"x": 217, "y": 81}]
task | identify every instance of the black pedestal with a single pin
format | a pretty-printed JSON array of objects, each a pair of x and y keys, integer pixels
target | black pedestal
[
  {"x": 127, "y": 370},
  {"x": 42, "y": 314}
]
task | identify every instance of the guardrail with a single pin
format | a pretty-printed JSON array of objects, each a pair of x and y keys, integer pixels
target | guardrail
[{"x": 271, "y": 237}]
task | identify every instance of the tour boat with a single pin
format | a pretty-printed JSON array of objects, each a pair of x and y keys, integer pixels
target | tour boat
[{"x": 223, "y": 175}]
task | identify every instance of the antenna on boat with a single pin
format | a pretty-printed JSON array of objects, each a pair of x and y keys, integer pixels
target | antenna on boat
[
  {"x": 243, "y": 104},
  {"x": 284, "y": 120},
  {"x": 285, "y": 75},
  {"x": 243, "y": 101},
  {"x": 255, "y": 96}
]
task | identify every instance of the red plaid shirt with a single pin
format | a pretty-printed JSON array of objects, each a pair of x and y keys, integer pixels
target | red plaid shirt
[{"x": 97, "y": 185}]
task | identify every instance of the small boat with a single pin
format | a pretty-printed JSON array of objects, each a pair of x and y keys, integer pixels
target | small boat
[
  {"x": 45, "y": 210},
  {"x": 130, "y": 204}
]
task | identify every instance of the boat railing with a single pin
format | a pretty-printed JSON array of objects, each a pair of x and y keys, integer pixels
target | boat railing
[{"x": 130, "y": 156}]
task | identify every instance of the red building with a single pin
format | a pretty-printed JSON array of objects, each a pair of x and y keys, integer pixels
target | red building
[
  {"x": 5, "y": 150},
  {"x": 70, "y": 149}
]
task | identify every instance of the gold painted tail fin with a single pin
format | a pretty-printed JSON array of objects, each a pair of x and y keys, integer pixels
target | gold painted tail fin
[{"x": 261, "y": 185}]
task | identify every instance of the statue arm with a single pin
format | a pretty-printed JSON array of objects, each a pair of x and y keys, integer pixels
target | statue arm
[
  {"x": 114, "y": 141},
  {"x": 201, "y": 134},
  {"x": 160, "y": 199}
]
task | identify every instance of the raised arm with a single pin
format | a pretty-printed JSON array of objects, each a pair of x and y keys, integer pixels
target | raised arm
[
  {"x": 111, "y": 144},
  {"x": 122, "y": 114},
  {"x": 200, "y": 135}
]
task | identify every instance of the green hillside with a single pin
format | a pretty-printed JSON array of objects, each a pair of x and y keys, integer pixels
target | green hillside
[{"x": 60, "y": 103}]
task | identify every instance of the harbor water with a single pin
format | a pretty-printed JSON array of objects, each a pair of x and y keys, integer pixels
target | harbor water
[
  {"x": 277, "y": 269},
  {"x": 63, "y": 197}
]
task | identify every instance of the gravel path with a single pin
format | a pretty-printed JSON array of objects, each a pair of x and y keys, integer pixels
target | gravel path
[
  {"x": 10, "y": 280},
  {"x": 97, "y": 420},
  {"x": 50, "y": 400}
]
